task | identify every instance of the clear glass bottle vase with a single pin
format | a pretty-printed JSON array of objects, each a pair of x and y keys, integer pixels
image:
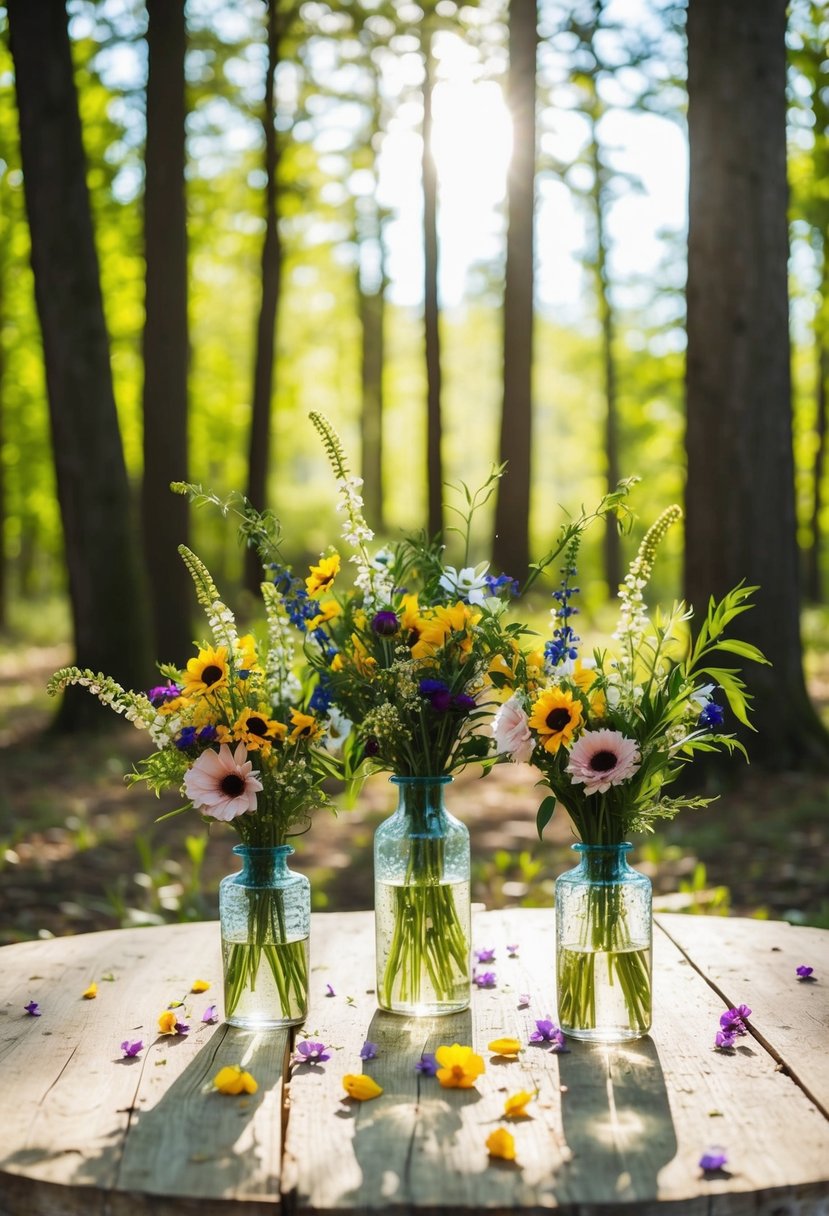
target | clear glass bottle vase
[
  {"x": 265, "y": 918},
  {"x": 422, "y": 906},
  {"x": 604, "y": 933}
]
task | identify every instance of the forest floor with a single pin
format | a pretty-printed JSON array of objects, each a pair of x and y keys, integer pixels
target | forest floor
[{"x": 80, "y": 850}]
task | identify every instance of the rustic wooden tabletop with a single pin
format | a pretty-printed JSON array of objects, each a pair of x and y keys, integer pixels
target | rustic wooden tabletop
[{"x": 611, "y": 1129}]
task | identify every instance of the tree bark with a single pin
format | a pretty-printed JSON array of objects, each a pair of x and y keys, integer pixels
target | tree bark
[
  {"x": 814, "y": 565},
  {"x": 740, "y": 490},
  {"x": 263, "y": 374},
  {"x": 166, "y": 354},
  {"x": 101, "y": 549},
  {"x": 431, "y": 309},
  {"x": 4, "y": 593},
  {"x": 372, "y": 309},
  {"x": 511, "y": 546}
]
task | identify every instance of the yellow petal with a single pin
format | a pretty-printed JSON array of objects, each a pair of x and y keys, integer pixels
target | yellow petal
[
  {"x": 505, "y": 1047},
  {"x": 200, "y": 986},
  {"x": 516, "y": 1104},
  {"x": 248, "y": 1083},
  {"x": 229, "y": 1080},
  {"x": 167, "y": 1022},
  {"x": 501, "y": 1143},
  {"x": 91, "y": 992},
  {"x": 361, "y": 1087}
]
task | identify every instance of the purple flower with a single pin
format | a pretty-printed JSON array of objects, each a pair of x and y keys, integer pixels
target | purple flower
[
  {"x": 187, "y": 738},
  {"x": 484, "y": 979},
  {"x": 437, "y": 694},
  {"x": 734, "y": 1019},
  {"x": 523, "y": 1000},
  {"x": 547, "y": 1032},
  {"x": 163, "y": 693},
  {"x": 486, "y": 955},
  {"x": 804, "y": 973},
  {"x": 385, "y": 623},
  {"x": 512, "y": 951},
  {"x": 33, "y": 1009},
  {"x": 370, "y": 748},
  {"x": 209, "y": 1014},
  {"x": 503, "y": 583},
  {"x": 713, "y": 1159},
  {"x": 131, "y": 1049},
  {"x": 427, "y": 1064},
  {"x": 329, "y": 991},
  {"x": 207, "y": 733},
  {"x": 725, "y": 1039},
  {"x": 463, "y": 702},
  {"x": 311, "y": 1053},
  {"x": 368, "y": 1051}
]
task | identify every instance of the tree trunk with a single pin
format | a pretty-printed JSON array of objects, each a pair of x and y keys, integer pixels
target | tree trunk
[
  {"x": 431, "y": 311},
  {"x": 372, "y": 308},
  {"x": 4, "y": 586},
  {"x": 165, "y": 515},
  {"x": 740, "y": 491},
  {"x": 814, "y": 567},
  {"x": 101, "y": 549},
  {"x": 263, "y": 374},
  {"x": 511, "y": 547}
]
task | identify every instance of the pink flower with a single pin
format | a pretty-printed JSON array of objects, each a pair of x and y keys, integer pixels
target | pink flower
[
  {"x": 602, "y": 758},
  {"x": 222, "y": 785},
  {"x": 512, "y": 735}
]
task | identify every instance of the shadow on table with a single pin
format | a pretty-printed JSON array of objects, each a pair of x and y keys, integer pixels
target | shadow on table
[{"x": 617, "y": 1122}]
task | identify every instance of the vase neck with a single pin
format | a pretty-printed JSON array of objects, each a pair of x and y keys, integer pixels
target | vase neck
[
  {"x": 263, "y": 867},
  {"x": 603, "y": 862},
  {"x": 420, "y": 800}
]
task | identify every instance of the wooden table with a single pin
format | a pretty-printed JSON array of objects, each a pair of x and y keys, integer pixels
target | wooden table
[{"x": 612, "y": 1129}]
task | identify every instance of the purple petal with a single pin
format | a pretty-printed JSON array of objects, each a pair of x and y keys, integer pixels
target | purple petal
[
  {"x": 33, "y": 1009},
  {"x": 329, "y": 991},
  {"x": 427, "y": 1064},
  {"x": 523, "y": 1000},
  {"x": 512, "y": 951},
  {"x": 182, "y": 1028},
  {"x": 804, "y": 973},
  {"x": 310, "y": 1052},
  {"x": 725, "y": 1038},
  {"x": 209, "y": 1014},
  {"x": 368, "y": 1051},
  {"x": 713, "y": 1159},
  {"x": 485, "y": 979},
  {"x": 487, "y": 955},
  {"x": 131, "y": 1049}
]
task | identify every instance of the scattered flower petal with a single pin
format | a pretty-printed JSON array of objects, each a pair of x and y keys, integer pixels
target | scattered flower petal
[
  {"x": 361, "y": 1087},
  {"x": 547, "y": 1032},
  {"x": 487, "y": 955},
  {"x": 512, "y": 951},
  {"x": 168, "y": 1023},
  {"x": 33, "y": 1009},
  {"x": 310, "y": 1052},
  {"x": 713, "y": 1159},
  {"x": 725, "y": 1039},
  {"x": 505, "y": 1046},
  {"x": 516, "y": 1104},
  {"x": 210, "y": 1014},
  {"x": 459, "y": 1066},
  {"x": 501, "y": 1143},
  {"x": 484, "y": 979},
  {"x": 329, "y": 991},
  {"x": 200, "y": 986},
  {"x": 91, "y": 992},
  {"x": 804, "y": 973},
  {"x": 368, "y": 1051},
  {"x": 233, "y": 1080},
  {"x": 733, "y": 1020},
  {"x": 131, "y": 1049},
  {"x": 523, "y": 1000},
  {"x": 427, "y": 1064}
]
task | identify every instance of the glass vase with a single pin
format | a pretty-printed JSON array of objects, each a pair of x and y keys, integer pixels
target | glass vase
[
  {"x": 422, "y": 906},
  {"x": 604, "y": 932},
  {"x": 265, "y": 918}
]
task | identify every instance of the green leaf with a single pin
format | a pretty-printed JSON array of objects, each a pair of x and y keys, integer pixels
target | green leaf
[
  {"x": 744, "y": 649},
  {"x": 545, "y": 814}
]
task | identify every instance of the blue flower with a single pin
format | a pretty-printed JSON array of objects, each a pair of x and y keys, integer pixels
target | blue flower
[
  {"x": 713, "y": 715},
  {"x": 206, "y": 735},
  {"x": 502, "y": 583},
  {"x": 320, "y": 698},
  {"x": 187, "y": 738}
]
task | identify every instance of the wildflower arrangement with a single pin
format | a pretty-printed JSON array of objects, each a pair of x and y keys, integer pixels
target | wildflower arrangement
[
  {"x": 609, "y": 733},
  {"x": 234, "y": 732}
]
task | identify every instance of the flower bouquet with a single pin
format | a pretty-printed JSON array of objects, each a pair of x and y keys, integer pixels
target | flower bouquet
[
  {"x": 609, "y": 734},
  {"x": 233, "y": 733}
]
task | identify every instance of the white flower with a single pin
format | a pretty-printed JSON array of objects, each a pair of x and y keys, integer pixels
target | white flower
[
  {"x": 339, "y": 728},
  {"x": 703, "y": 695},
  {"x": 467, "y": 584},
  {"x": 512, "y": 734}
]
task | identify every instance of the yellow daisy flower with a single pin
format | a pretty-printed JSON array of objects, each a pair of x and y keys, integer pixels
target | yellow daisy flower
[
  {"x": 411, "y": 621},
  {"x": 305, "y": 726},
  {"x": 329, "y": 609},
  {"x": 501, "y": 1143},
  {"x": 361, "y": 1087},
  {"x": 256, "y": 730},
  {"x": 323, "y": 574},
  {"x": 233, "y": 1080},
  {"x": 207, "y": 672},
  {"x": 438, "y": 628},
  {"x": 555, "y": 718},
  {"x": 459, "y": 1066}
]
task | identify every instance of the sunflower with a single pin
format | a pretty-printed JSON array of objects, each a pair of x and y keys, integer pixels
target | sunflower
[
  {"x": 207, "y": 672},
  {"x": 323, "y": 575},
  {"x": 305, "y": 726},
  {"x": 445, "y": 621},
  {"x": 257, "y": 731},
  {"x": 328, "y": 610},
  {"x": 555, "y": 718}
]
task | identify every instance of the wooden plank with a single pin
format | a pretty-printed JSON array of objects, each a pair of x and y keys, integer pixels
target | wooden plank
[
  {"x": 74, "y": 1114},
  {"x": 611, "y": 1125},
  {"x": 753, "y": 963}
]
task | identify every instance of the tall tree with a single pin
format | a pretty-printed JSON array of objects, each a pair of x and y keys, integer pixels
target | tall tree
[
  {"x": 740, "y": 490},
  {"x": 166, "y": 355},
  {"x": 263, "y": 374},
  {"x": 101, "y": 551},
  {"x": 511, "y": 547},
  {"x": 431, "y": 305}
]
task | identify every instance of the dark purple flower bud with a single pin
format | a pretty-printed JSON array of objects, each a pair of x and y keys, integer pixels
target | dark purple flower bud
[
  {"x": 462, "y": 702},
  {"x": 427, "y": 1064},
  {"x": 385, "y": 623},
  {"x": 207, "y": 734},
  {"x": 372, "y": 746}
]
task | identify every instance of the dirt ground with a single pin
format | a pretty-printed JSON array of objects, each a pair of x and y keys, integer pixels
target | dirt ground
[{"x": 80, "y": 851}]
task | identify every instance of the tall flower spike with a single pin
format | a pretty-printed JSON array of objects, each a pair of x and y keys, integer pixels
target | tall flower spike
[
  {"x": 279, "y": 678},
  {"x": 633, "y": 616},
  {"x": 219, "y": 617}
]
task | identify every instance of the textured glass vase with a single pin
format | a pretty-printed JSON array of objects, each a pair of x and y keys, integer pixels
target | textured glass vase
[
  {"x": 422, "y": 903},
  {"x": 265, "y": 917},
  {"x": 604, "y": 931}
]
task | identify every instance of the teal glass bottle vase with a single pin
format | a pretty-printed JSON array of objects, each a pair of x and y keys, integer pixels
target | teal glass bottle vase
[
  {"x": 604, "y": 935},
  {"x": 422, "y": 907},
  {"x": 265, "y": 918}
]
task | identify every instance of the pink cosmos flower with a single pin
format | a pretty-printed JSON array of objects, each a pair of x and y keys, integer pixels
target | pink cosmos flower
[
  {"x": 602, "y": 758},
  {"x": 222, "y": 784},
  {"x": 512, "y": 735}
]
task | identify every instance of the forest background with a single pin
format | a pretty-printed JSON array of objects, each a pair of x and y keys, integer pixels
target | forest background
[{"x": 468, "y": 234}]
